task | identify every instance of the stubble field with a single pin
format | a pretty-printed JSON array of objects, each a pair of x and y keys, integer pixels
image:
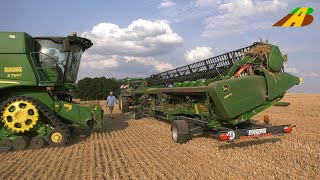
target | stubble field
[{"x": 142, "y": 149}]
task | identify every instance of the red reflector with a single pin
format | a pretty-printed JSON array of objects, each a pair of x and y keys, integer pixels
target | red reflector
[
  {"x": 224, "y": 137},
  {"x": 202, "y": 107},
  {"x": 287, "y": 129}
]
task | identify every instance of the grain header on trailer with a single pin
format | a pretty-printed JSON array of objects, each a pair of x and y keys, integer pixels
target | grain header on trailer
[{"x": 219, "y": 95}]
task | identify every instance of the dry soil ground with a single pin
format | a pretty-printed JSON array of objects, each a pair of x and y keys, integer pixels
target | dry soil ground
[{"x": 142, "y": 149}]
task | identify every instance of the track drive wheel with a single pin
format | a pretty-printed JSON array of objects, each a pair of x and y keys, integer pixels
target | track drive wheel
[
  {"x": 20, "y": 115},
  {"x": 59, "y": 136},
  {"x": 37, "y": 142},
  {"x": 5, "y": 145},
  {"x": 180, "y": 131},
  {"x": 19, "y": 144}
]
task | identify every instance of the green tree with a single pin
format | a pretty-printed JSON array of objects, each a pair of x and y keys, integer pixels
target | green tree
[{"x": 97, "y": 88}]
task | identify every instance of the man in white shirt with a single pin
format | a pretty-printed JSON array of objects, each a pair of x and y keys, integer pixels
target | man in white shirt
[{"x": 110, "y": 103}]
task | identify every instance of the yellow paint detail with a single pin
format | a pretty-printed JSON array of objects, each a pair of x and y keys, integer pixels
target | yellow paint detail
[
  {"x": 19, "y": 75},
  {"x": 12, "y": 69},
  {"x": 227, "y": 96},
  {"x": 68, "y": 106},
  {"x": 121, "y": 103},
  {"x": 196, "y": 108},
  {"x": 225, "y": 88},
  {"x": 20, "y": 115},
  {"x": 297, "y": 18},
  {"x": 300, "y": 80},
  {"x": 56, "y": 137},
  {"x": 9, "y": 82}
]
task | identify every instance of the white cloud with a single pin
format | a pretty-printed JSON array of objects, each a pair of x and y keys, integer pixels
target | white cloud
[
  {"x": 100, "y": 62},
  {"x": 298, "y": 73},
  {"x": 207, "y": 3},
  {"x": 137, "y": 45},
  {"x": 95, "y": 61},
  {"x": 291, "y": 70},
  {"x": 199, "y": 53},
  {"x": 166, "y": 4},
  {"x": 238, "y": 16},
  {"x": 158, "y": 65},
  {"x": 140, "y": 38},
  {"x": 310, "y": 74}
]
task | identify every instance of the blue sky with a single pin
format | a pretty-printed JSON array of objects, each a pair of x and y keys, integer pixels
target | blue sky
[{"x": 139, "y": 38}]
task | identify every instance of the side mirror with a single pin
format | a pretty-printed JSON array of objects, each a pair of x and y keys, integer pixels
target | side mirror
[{"x": 66, "y": 45}]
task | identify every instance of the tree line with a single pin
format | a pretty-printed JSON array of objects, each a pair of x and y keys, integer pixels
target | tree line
[{"x": 97, "y": 88}]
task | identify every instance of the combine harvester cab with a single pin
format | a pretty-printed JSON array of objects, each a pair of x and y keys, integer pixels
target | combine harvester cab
[
  {"x": 37, "y": 76},
  {"x": 219, "y": 95}
]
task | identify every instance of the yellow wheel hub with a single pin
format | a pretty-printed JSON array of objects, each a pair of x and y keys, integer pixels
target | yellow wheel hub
[
  {"x": 20, "y": 115},
  {"x": 56, "y": 137}
]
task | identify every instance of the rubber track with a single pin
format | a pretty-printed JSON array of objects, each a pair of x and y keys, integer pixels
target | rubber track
[{"x": 53, "y": 120}]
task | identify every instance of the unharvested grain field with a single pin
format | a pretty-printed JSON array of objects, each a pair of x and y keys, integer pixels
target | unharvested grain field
[{"x": 142, "y": 149}]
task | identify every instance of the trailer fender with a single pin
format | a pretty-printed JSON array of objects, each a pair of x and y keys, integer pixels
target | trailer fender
[{"x": 182, "y": 126}]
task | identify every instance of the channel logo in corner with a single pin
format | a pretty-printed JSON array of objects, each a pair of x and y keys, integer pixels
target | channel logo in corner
[{"x": 297, "y": 18}]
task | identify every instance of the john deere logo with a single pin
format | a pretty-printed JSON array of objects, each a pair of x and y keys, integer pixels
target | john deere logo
[
  {"x": 297, "y": 18},
  {"x": 225, "y": 88}
]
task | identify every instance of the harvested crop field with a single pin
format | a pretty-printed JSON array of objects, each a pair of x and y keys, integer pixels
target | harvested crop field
[{"x": 142, "y": 149}]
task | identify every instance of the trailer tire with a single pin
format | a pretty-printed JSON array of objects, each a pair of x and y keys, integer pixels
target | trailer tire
[
  {"x": 120, "y": 103},
  {"x": 136, "y": 114},
  {"x": 124, "y": 104},
  {"x": 180, "y": 131}
]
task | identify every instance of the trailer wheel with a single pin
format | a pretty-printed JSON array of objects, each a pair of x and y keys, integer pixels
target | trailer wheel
[
  {"x": 19, "y": 144},
  {"x": 124, "y": 104},
  {"x": 120, "y": 103},
  {"x": 5, "y": 145},
  {"x": 136, "y": 113},
  {"x": 37, "y": 142},
  {"x": 180, "y": 131}
]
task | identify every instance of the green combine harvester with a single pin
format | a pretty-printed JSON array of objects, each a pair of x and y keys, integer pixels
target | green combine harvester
[
  {"x": 37, "y": 76},
  {"x": 219, "y": 95},
  {"x": 128, "y": 86}
]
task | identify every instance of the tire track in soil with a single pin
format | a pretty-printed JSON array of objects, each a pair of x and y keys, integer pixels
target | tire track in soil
[
  {"x": 154, "y": 168},
  {"x": 18, "y": 163},
  {"x": 123, "y": 164},
  {"x": 182, "y": 154},
  {"x": 53, "y": 161},
  {"x": 240, "y": 162},
  {"x": 41, "y": 166},
  {"x": 102, "y": 156},
  {"x": 148, "y": 141},
  {"x": 118, "y": 172},
  {"x": 62, "y": 169},
  {"x": 121, "y": 150},
  {"x": 42, "y": 156}
]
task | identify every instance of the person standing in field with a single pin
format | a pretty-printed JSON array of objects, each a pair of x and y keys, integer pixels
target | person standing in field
[{"x": 110, "y": 103}]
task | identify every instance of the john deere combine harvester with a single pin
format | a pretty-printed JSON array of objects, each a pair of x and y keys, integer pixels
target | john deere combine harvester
[
  {"x": 36, "y": 77},
  {"x": 128, "y": 86},
  {"x": 219, "y": 95}
]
